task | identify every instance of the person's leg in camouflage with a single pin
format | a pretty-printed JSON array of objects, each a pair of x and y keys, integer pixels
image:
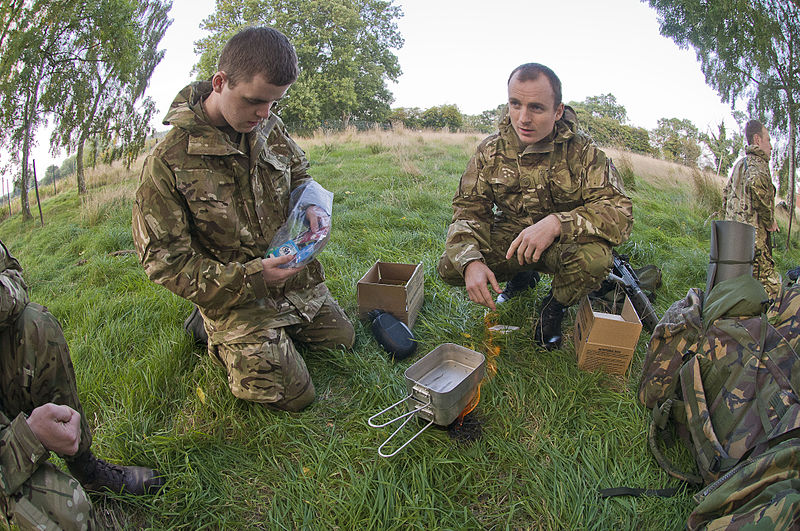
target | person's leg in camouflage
[
  {"x": 330, "y": 328},
  {"x": 50, "y": 499},
  {"x": 266, "y": 368},
  {"x": 764, "y": 266},
  {"x": 578, "y": 269},
  {"x": 38, "y": 370}
]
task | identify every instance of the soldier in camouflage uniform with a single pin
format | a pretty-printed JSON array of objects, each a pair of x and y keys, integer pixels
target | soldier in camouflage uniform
[
  {"x": 212, "y": 195},
  {"x": 538, "y": 196},
  {"x": 39, "y": 413},
  {"x": 749, "y": 197}
]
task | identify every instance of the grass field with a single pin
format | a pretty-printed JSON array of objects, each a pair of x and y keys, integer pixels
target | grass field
[{"x": 551, "y": 435}]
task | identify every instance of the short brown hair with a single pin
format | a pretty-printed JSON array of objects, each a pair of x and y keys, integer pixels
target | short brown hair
[
  {"x": 752, "y": 128},
  {"x": 259, "y": 50},
  {"x": 532, "y": 71}
]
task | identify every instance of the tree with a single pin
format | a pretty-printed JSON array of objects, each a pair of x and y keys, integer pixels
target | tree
[
  {"x": 443, "y": 116},
  {"x": 724, "y": 150},
  {"x": 606, "y": 106},
  {"x": 488, "y": 120},
  {"x": 410, "y": 117},
  {"x": 747, "y": 49},
  {"x": 37, "y": 44},
  {"x": 602, "y": 118},
  {"x": 344, "y": 48},
  {"x": 678, "y": 140},
  {"x": 109, "y": 79},
  {"x": 52, "y": 173}
]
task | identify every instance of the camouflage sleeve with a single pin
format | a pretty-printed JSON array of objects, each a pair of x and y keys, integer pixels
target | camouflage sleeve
[
  {"x": 13, "y": 290},
  {"x": 762, "y": 195},
  {"x": 20, "y": 453},
  {"x": 726, "y": 191},
  {"x": 170, "y": 258},
  {"x": 606, "y": 211},
  {"x": 472, "y": 215},
  {"x": 299, "y": 164}
]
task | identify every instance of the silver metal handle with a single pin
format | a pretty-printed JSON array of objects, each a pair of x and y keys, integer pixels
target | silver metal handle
[
  {"x": 416, "y": 394},
  {"x": 370, "y": 420},
  {"x": 380, "y": 448}
]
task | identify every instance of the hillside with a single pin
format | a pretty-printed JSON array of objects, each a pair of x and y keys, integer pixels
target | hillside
[{"x": 550, "y": 434}]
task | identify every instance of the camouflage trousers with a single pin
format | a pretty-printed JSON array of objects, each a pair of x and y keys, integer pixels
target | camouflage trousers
[
  {"x": 265, "y": 367},
  {"x": 764, "y": 266},
  {"x": 35, "y": 369},
  {"x": 577, "y": 268}
]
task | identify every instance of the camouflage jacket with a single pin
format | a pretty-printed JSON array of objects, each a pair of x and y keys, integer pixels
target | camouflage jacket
[
  {"x": 206, "y": 211},
  {"x": 749, "y": 195},
  {"x": 20, "y": 450},
  {"x": 565, "y": 174}
]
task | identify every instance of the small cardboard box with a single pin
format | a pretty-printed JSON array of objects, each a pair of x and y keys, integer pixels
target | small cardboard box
[
  {"x": 395, "y": 288},
  {"x": 606, "y": 341}
]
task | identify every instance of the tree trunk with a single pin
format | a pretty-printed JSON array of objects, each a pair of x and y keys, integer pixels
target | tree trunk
[
  {"x": 792, "y": 126},
  {"x": 79, "y": 169},
  {"x": 26, "y": 148}
]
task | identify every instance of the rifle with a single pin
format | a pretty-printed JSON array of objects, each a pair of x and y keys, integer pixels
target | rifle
[{"x": 623, "y": 275}]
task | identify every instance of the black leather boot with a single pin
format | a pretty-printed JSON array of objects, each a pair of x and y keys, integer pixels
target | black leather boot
[
  {"x": 548, "y": 329},
  {"x": 95, "y": 475},
  {"x": 521, "y": 281},
  {"x": 193, "y": 325}
]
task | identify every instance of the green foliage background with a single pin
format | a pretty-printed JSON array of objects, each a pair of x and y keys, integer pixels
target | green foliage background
[{"x": 552, "y": 435}]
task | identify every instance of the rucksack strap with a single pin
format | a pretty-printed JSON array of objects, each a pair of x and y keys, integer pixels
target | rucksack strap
[
  {"x": 630, "y": 491},
  {"x": 661, "y": 415}
]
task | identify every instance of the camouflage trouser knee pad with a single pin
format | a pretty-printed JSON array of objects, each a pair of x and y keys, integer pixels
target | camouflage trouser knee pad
[
  {"x": 50, "y": 499},
  {"x": 271, "y": 373}
]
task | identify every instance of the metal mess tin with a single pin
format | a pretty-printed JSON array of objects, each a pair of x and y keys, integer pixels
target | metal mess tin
[{"x": 440, "y": 386}]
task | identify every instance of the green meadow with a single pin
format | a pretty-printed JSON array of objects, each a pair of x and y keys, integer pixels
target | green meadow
[{"x": 548, "y": 435}]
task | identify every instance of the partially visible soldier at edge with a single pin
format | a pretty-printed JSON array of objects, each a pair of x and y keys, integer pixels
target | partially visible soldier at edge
[
  {"x": 537, "y": 197},
  {"x": 40, "y": 413},
  {"x": 749, "y": 197},
  {"x": 212, "y": 195}
]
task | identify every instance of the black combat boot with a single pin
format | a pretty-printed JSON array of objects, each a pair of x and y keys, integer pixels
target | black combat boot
[
  {"x": 95, "y": 475},
  {"x": 521, "y": 281},
  {"x": 548, "y": 329},
  {"x": 193, "y": 325}
]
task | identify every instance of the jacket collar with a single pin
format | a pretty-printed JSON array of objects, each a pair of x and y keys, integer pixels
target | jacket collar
[
  {"x": 753, "y": 149},
  {"x": 564, "y": 129},
  {"x": 186, "y": 112}
]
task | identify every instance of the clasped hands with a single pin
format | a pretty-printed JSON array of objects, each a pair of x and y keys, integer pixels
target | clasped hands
[{"x": 528, "y": 247}]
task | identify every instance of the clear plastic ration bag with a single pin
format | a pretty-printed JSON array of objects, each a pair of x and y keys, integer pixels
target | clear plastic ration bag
[{"x": 308, "y": 227}]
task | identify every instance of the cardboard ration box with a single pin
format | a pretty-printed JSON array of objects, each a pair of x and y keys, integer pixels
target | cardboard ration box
[
  {"x": 395, "y": 288},
  {"x": 606, "y": 341}
]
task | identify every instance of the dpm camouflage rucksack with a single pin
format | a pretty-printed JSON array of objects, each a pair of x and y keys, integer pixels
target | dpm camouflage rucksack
[{"x": 725, "y": 377}]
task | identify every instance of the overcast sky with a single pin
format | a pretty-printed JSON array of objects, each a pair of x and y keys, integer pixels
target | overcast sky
[{"x": 461, "y": 52}]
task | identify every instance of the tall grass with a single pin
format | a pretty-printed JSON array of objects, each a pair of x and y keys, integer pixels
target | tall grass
[{"x": 552, "y": 435}]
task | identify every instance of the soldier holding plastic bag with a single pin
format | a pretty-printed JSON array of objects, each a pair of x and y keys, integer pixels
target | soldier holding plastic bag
[{"x": 213, "y": 195}]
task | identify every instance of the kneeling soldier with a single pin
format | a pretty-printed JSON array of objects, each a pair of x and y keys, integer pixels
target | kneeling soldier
[
  {"x": 40, "y": 413},
  {"x": 537, "y": 197}
]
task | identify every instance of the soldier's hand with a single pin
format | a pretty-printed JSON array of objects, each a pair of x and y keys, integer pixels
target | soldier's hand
[
  {"x": 476, "y": 276},
  {"x": 774, "y": 227},
  {"x": 317, "y": 218},
  {"x": 534, "y": 240},
  {"x": 274, "y": 275},
  {"x": 57, "y": 427}
]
